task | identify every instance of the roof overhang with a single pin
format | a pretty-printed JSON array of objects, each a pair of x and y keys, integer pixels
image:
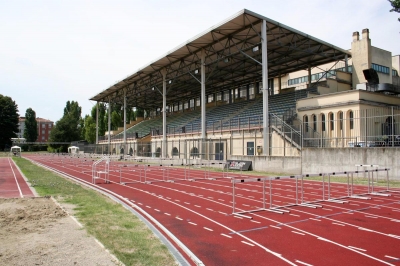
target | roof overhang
[{"x": 232, "y": 58}]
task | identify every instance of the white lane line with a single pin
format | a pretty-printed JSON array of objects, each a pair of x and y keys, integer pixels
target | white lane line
[
  {"x": 247, "y": 243},
  {"x": 395, "y": 210},
  {"x": 298, "y": 233},
  {"x": 315, "y": 219},
  {"x": 226, "y": 235},
  {"x": 148, "y": 207},
  {"x": 255, "y": 221},
  {"x": 360, "y": 249},
  {"x": 179, "y": 218},
  {"x": 167, "y": 214},
  {"x": 370, "y": 216},
  {"x": 338, "y": 224},
  {"x": 390, "y": 257},
  {"x": 246, "y": 205},
  {"x": 209, "y": 209},
  {"x": 168, "y": 198},
  {"x": 378, "y": 200},
  {"x": 306, "y": 264},
  {"x": 275, "y": 227},
  {"x": 222, "y": 213},
  {"x": 177, "y": 200},
  {"x": 395, "y": 236},
  {"x": 221, "y": 200},
  {"x": 197, "y": 206},
  {"x": 157, "y": 210},
  {"x": 15, "y": 177},
  {"x": 394, "y": 220},
  {"x": 187, "y": 203},
  {"x": 139, "y": 203},
  {"x": 192, "y": 223},
  {"x": 209, "y": 229},
  {"x": 294, "y": 214}
]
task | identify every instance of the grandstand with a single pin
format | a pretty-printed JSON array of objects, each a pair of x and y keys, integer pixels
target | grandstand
[{"x": 253, "y": 89}]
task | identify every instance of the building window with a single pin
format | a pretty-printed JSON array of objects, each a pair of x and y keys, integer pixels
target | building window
[
  {"x": 340, "y": 120},
  {"x": 219, "y": 96},
  {"x": 306, "y": 122},
  {"x": 323, "y": 122},
  {"x": 42, "y": 137},
  {"x": 43, "y": 125},
  {"x": 250, "y": 148},
  {"x": 331, "y": 121},
  {"x": 42, "y": 132},
  {"x": 315, "y": 122},
  {"x": 351, "y": 116},
  {"x": 381, "y": 69},
  {"x": 395, "y": 73}
]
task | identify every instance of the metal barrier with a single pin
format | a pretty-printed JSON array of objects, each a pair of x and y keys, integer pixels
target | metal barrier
[
  {"x": 299, "y": 198},
  {"x": 97, "y": 174}
]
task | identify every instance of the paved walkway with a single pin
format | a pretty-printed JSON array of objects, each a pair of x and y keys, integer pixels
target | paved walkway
[{"x": 12, "y": 183}]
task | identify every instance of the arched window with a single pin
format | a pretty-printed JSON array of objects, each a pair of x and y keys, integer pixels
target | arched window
[
  {"x": 331, "y": 121},
  {"x": 351, "y": 116},
  {"x": 314, "y": 122},
  {"x": 158, "y": 152},
  {"x": 323, "y": 122},
  {"x": 340, "y": 120},
  {"x": 175, "y": 151},
  {"x": 305, "y": 120},
  {"x": 194, "y": 152}
]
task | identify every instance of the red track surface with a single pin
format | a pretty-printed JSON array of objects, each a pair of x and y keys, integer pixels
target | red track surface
[
  {"x": 12, "y": 184},
  {"x": 199, "y": 214}
]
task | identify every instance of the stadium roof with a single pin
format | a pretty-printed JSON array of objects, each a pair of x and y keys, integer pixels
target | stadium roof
[{"x": 232, "y": 51}]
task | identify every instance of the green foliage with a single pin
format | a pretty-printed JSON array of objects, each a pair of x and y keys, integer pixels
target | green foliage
[
  {"x": 68, "y": 128},
  {"x": 8, "y": 121},
  {"x": 395, "y": 6},
  {"x": 116, "y": 120},
  {"x": 31, "y": 131},
  {"x": 102, "y": 120},
  {"x": 90, "y": 129},
  {"x": 139, "y": 112}
]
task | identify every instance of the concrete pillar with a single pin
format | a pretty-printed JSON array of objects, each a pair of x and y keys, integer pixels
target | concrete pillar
[
  {"x": 109, "y": 126},
  {"x": 124, "y": 120},
  {"x": 309, "y": 76},
  {"x": 265, "y": 87},
  {"x": 97, "y": 123},
  {"x": 203, "y": 95},
  {"x": 164, "y": 109}
]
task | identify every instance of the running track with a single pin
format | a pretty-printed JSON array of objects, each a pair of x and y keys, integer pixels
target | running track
[
  {"x": 358, "y": 232},
  {"x": 12, "y": 184}
]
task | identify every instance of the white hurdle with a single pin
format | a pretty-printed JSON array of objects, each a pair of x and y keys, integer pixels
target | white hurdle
[
  {"x": 299, "y": 192},
  {"x": 97, "y": 174}
]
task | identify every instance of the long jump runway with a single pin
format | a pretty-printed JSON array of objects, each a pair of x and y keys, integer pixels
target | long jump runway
[
  {"x": 199, "y": 213},
  {"x": 12, "y": 184}
]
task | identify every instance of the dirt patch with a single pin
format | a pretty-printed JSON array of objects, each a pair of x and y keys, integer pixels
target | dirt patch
[{"x": 36, "y": 231}]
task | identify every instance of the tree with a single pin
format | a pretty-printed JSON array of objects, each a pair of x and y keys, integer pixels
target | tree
[
  {"x": 90, "y": 129},
  {"x": 8, "y": 121},
  {"x": 68, "y": 128},
  {"x": 396, "y": 6},
  {"x": 116, "y": 120},
  {"x": 31, "y": 131}
]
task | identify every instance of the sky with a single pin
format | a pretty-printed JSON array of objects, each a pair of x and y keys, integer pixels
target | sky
[{"x": 58, "y": 50}]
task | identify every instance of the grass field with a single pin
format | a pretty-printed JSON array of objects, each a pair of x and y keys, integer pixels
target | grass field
[{"x": 122, "y": 233}]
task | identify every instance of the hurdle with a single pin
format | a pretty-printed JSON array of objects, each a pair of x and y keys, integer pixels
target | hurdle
[
  {"x": 299, "y": 199},
  {"x": 96, "y": 174}
]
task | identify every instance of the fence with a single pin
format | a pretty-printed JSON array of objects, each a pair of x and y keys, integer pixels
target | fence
[{"x": 377, "y": 127}]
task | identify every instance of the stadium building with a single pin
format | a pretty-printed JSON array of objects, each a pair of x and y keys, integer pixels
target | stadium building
[{"x": 253, "y": 89}]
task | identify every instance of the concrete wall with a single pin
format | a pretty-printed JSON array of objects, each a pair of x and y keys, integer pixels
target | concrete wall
[
  {"x": 273, "y": 164},
  {"x": 345, "y": 159}
]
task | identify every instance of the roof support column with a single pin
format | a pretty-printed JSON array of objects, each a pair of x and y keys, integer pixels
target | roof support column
[
  {"x": 164, "y": 109},
  {"x": 203, "y": 104},
  {"x": 124, "y": 121},
  {"x": 109, "y": 126},
  {"x": 309, "y": 76},
  {"x": 265, "y": 87},
  {"x": 203, "y": 95},
  {"x": 346, "y": 63},
  {"x": 97, "y": 123}
]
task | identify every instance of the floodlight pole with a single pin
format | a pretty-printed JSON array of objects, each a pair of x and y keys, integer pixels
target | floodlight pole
[
  {"x": 265, "y": 87},
  {"x": 203, "y": 99},
  {"x": 97, "y": 123},
  {"x": 164, "y": 109},
  {"x": 124, "y": 121}
]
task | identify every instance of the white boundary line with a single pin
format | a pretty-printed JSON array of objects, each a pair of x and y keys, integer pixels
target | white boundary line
[{"x": 16, "y": 181}]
